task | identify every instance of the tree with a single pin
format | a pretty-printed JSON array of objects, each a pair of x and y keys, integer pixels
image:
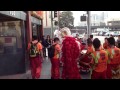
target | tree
[{"x": 66, "y": 19}]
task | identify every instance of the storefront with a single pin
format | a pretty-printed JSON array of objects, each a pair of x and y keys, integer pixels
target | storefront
[
  {"x": 36, "y": 27},
  {"x": 12, "y": 42}
]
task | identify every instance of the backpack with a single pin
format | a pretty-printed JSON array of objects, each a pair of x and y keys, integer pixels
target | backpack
[
  {"x": 33, "y": 50},
  {"x": 51, "y": 51}
]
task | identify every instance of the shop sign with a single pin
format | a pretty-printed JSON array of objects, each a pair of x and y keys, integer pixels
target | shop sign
[{"x": 12, "y": 13}]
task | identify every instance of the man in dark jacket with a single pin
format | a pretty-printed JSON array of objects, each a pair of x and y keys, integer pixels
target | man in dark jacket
[{"x": 44, "y": 45}]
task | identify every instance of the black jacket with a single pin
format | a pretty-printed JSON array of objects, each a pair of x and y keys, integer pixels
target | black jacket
[{"x": 47, "y": 42}]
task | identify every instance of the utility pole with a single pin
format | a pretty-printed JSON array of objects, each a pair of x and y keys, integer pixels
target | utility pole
[
  {"x": 52, "y": 24},
  {"x": 88, "y": 23},
  {"x": 59, "y": 20}
]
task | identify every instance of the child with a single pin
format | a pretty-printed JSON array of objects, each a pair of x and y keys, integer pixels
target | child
[
  {"x": 35, "y": 49},
  {"x": 99, "y": 62},
  {"x": 55, "y": 73}
]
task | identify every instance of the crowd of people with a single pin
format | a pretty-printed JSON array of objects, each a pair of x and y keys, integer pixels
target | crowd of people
[{"x": 103, "y": 60}]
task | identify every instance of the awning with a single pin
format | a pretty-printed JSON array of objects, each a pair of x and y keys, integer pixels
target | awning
[
  {"x": 15, "y": 14},
  {"x": 36, "y": 21}
]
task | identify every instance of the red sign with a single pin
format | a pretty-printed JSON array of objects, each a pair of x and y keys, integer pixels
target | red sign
[
  {"x": 40, "y": 13},
  {"x": 8, "y": 40}
]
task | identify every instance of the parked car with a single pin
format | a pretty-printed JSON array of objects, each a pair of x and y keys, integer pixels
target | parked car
[
  {"x": 116, "y": 34},
  {"x": 109, "y": 33},
  {"x": 102, "y": 33}
]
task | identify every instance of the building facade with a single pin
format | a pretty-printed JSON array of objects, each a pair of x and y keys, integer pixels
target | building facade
[
  {"x": 47, "y": 22},
  {"x": 96, "y": 20},
  {"x": 16, "y": 30}
]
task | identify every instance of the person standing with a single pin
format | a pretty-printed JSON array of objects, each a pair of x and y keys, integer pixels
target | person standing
[
  {"x": 105, "y": 44},
  {"x": 70, "y": 55},
  {"x": 91, "y": 37},
  {"x": 35, "y": 49},
  {"x": 43, "y": 44},
  {"x": 48, "y": 43},
  {"x": 55, "y": 70},
  {"x": 85, "y": 59},
  {"x": 99, "y": 62},
  {"x": 114, "y": 60}
]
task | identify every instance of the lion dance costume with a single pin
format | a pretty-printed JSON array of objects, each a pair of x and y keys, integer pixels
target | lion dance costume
[{"x": 70, "y": 54}]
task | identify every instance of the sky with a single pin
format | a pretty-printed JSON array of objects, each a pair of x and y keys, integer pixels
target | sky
[{"x": 111, "y": 14}]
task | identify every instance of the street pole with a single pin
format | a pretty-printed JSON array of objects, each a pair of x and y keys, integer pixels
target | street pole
[
  {"x": 88, "y": 23},
  {"x": 58, "y": 20},
  {"x": 51, "y": 24}
]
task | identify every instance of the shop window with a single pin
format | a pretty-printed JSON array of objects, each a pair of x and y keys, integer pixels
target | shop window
[
  {"x": 34, "y": 29},
  {"x": 10, "y": 37}
]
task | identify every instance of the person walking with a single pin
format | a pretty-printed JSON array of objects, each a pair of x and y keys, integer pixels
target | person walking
[
  {"x": 55, "y": 61},
  {"x": 35, "y": 50}
]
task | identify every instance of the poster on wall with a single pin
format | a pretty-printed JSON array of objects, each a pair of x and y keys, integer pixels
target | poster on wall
[
  {"x": 10, "y": 44},
  {"x": 1, "y": 45},
  {"x": 7, "y": 44}
]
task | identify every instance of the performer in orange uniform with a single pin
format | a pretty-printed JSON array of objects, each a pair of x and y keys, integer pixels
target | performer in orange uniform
[
  {"x": 99, "y": 62},
  {"x": 70, "y": 55},
  {"x": 55, "y": 71},
  {"x": 35, "y": 59},
  {"x": 113, "y": 70},
  {"x": 90, "y": 49},
  {"x": 86, "y": 58},
  {"x": 105, "y": 44}
]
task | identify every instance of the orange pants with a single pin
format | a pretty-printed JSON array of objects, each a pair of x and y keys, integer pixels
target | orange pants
[
  {"x": 98, "y": 75},
  {"x": 35, "y": 64},
  {"x": 55, "y": 70}
]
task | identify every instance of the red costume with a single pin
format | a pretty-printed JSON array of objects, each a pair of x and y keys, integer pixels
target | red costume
[{"x": 70, "y": 53}]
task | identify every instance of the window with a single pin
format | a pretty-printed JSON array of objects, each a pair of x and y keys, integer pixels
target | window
[{"x": 10, "y": 37}]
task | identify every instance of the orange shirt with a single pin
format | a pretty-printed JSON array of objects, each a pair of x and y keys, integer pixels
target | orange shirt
[
  {"x": 101, "y": 48},
  {"x": 90, "y": 49},
  {"x": 39, "y": 45},
  {"x": 105, "y": 46},
  {"x": 99, "y": 61},
  {"x": 57, "y": 51},
  {"x": 114, "y": 55}
]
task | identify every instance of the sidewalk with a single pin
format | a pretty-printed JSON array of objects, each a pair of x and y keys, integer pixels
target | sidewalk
[
  {"x": 26, "y": 75},
  {"x": 45, "y": 72}
]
